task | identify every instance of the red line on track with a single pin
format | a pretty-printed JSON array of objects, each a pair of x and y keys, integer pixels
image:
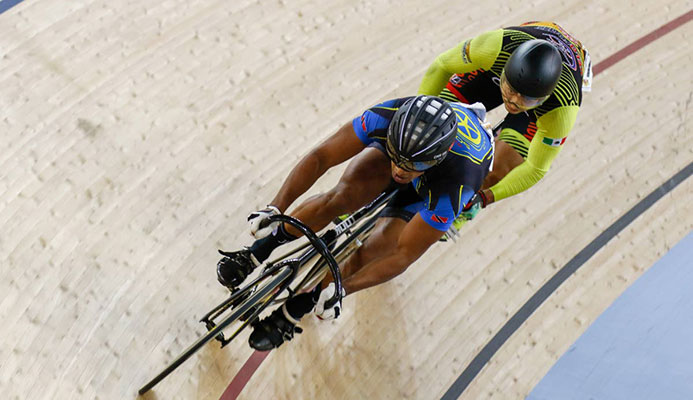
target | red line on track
[
  {"x": 244, "y": 375},
  {"x": 253, "y": 363},
  {"x": 642, "y": 42}
]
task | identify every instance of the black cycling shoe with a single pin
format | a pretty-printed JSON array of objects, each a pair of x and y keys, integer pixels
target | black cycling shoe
[
  {"x": 273, "y": 330},
  {"x": 234, "y": 267}
]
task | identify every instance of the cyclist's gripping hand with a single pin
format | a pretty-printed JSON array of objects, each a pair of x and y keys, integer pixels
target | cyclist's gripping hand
[
  {"x": 476, "y": 203},
  {"x": 259, "y": 224},
  {"x": 331, "y": 312}
]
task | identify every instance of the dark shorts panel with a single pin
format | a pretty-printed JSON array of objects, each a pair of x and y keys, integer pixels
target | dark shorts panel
[{"x": 404, "y": 205}]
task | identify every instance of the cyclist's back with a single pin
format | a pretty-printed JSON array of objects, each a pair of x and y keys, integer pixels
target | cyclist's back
[{"x": 447, "y": 187}]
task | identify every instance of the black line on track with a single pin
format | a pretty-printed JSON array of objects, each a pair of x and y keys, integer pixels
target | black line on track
[{"x": 561, "y": 276}]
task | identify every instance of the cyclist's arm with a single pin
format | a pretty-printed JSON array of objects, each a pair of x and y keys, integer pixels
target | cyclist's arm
[
  {"x": 470, "y": 55},
  {"x": 414, "y": 240},
  {"x": 552, "y": 128},
  {"x": 336, "y": 149}
]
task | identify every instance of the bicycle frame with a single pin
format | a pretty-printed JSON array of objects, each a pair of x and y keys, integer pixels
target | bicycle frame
[
  {"x": 331, "y": 236},
  {"x": 280, "y": 273}
]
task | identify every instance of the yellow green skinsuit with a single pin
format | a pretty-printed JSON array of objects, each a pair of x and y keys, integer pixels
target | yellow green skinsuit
[{"x": 470, "y": 72}]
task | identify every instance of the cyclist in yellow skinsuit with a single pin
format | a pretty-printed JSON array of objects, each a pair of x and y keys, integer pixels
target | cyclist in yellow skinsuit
[{"x": 541, "y": 92}]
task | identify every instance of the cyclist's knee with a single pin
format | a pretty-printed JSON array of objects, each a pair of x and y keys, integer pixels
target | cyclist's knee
[
  {"x": 353, "y": 263},
  {"x": 340, "y": 200}
]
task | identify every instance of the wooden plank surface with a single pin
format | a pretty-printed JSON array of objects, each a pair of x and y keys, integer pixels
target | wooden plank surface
[{"x": 138, "y": 136}]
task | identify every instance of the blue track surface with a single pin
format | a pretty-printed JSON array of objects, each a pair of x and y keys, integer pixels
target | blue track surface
[
  {"x": 641, "y": 347},
  {"x": 7, "y": 4}
]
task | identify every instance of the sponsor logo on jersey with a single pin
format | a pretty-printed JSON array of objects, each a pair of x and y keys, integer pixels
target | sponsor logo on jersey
[{"x": 531, "y": 131}]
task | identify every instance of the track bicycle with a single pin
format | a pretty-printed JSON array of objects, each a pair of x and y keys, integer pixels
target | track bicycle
[{"x": 297, "y": 271}]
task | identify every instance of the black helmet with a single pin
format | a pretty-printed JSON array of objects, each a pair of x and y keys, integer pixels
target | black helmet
[
  {"x": 533, "y": 68},
  {"x": 421, "y": 133}
]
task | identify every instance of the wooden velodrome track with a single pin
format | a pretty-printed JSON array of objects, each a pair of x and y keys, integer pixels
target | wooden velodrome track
[{"x": 136, "y": 137}]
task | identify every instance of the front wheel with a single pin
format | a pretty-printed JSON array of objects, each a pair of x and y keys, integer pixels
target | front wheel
[
  {"x": 260, "y": 296},
  {"x": 351, "y": 244}
]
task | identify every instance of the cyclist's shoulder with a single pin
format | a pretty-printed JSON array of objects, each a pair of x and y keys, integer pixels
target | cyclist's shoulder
[
  {"x": 482, "y": 49},
  {"x": 556, "y": 121},
  {"x": 471, "y": 136},
  {"x": 488, "y": 40},
  {"x": 564, "y": 99},
  {"x": 540, "y": 29},
  {"x": 380, "y": 115},
  {"x": 373, "y": 122},
  {"x": 471, "y": 154},
  {"x": 475, "y": 112},
  {"x": 571, "y": 49},
  {"x": 388, "y": 107}
]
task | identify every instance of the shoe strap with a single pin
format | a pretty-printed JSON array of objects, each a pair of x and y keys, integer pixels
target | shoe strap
[{"x": 288, "y": 316}]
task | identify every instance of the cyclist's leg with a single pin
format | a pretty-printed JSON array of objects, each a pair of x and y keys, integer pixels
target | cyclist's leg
[
  {"x": 365, "y": 177},
  {"x": 272, "y": 331},
  {"x": 512, "y": 145},
  {"x": 383, "y": 239},
  {"x": 381, "y": 242},
  {"x": 280, "y": 326}
]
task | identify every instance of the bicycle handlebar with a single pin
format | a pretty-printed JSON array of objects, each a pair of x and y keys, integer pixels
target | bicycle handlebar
[{"x": 321, "y": 247}]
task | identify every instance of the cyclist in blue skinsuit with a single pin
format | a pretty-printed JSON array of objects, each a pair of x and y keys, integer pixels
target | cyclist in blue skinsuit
[
  {"x": 440, "y": 193},
  {"x": 437, "y": 152}
]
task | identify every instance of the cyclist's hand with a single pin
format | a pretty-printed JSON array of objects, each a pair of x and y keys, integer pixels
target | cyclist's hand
[
  {"x": 470, "y": 210},
  {"x": 476, "y": 203},
  {"x": 331, "y": 312},
  {"x": 259, "y": 225}
]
